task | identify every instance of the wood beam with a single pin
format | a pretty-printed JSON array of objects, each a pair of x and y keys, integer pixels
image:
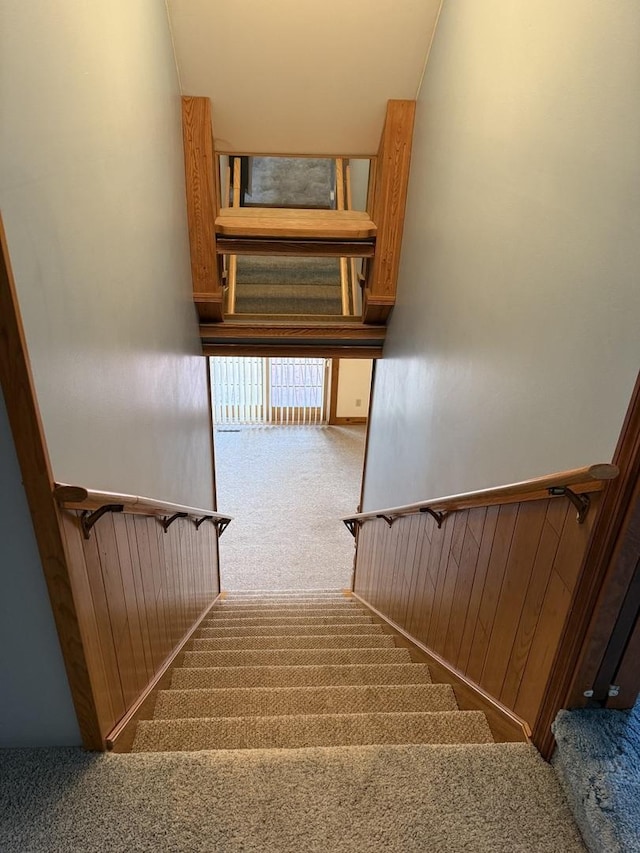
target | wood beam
[
  {"x": 311, "y": 350},
  {"x": 294, "y": 248},
  {"x": 234, "y": 331},
  {"x": 391, "y": 181}
]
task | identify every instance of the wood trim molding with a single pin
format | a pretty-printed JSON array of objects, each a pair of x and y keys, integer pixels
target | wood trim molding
[
  {"x": 348, "y": 421},
  {"x": 122, "y": 731},
  {"x": 374, "y": 368},
  {"x": 335, "y": 376},
  {"x": 214, "y": 481},
  {"x": 579, "y": 656},
  {"x": 310, "y": 349},
  {"x": 35, "y": 465},
  {"x": 484, "y": 700},
  {"x": 298, "y": 248}
]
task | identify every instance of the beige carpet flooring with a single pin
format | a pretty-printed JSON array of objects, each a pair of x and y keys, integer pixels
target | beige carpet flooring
[
  {"x": 287, "y": 488},
  {"x": 297, "y": 754},
  {"x": 493, "y": 798}
]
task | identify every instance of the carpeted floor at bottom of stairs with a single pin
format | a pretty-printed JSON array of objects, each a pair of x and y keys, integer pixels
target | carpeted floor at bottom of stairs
[
  {"x": 293, "y": 723},
  {"x": 485, "y": 798}
]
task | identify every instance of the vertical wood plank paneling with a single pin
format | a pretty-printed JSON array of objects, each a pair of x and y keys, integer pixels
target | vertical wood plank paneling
[
  {"x": 146, "y": 588},
  {"x": 432, "y": 632},
  {"x": 524, "y": 545},
  {"x": 410, "y": 565},
  {"x": 139, "y": 539},
  {"x": 464, "y": 582},
  {"x": 139, "y": 637},
  {"x": 103, "y": 620},
  {"x": 422, "y": 541},
  {"x": 112, "y": 576},
  {"x": 488, "y": 533},
  {"x": 489, "y": 591},
  {"x": 534, "y": 599},
  {"x": 88, "y": 625},
  {"x": 493, "y": 584}
]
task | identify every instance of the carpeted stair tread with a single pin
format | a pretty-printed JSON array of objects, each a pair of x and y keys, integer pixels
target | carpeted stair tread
[
  {"x": 293, "y": 732},
  {"x": 302, "y": 676},
  {"x": 283, "y": 595},
  {"x": 250, "y": 593},
  {"x": 294, "y": 641},
  {"x": 280, "y": 630},
  {"x": 265, "y": 612},
  {"x": 222, "y": 621},
  {"x": 286, "y": 599},
  {"x": 296, "y": 657},
  {"x": 306, "y": 604},
  {"x": 291, "y": 601},
  {"x": 282, "y": 701}
]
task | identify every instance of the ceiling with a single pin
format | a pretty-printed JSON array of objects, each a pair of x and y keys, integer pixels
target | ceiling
[{"x": 301, "y": 77}]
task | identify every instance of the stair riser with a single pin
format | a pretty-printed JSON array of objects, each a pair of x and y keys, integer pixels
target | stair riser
[
  {"x": 280, "y": 630},
  {"x": 295, "y": 657},
  {"x": 295, "y": 641},
  {"x": 302, "y": 676},
  {"x": 221, "y": 621},
  {"x": 323, "y": 606},
  {"x": 312, "y": 731},
  {"x": 273, "y": 702},
  {"x": 347, "y": 610}
]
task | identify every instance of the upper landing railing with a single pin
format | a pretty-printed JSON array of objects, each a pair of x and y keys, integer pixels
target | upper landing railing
[
  {"x": 574, "y": 485},
  {"x": 93, "y": 505}
]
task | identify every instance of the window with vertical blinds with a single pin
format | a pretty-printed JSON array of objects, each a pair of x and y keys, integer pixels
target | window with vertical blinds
[{"x": 283, "y": 391}]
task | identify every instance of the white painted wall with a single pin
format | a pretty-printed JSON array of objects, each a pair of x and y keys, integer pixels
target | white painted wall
[
  {"x": 515, "y": 343},
  {"x": 301, "y": 77},
  {"x": 92, "y": 192},
  {"x": 354, "y": 387},
  {"x": 35, "y": 702}
]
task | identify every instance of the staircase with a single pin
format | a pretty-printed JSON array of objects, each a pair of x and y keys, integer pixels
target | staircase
[
  {"x": 291, "y": 670},
  {"x": 366, "y": 243}
]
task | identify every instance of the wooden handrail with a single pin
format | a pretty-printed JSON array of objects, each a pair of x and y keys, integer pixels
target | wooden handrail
[
  {"x": 77, "y": 497},
  {"x": 577, "y": 481}
]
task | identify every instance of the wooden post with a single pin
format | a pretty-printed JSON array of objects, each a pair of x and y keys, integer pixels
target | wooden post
[
  {"x": 202, "y": 206},
  {"x": 389, "y": 200}
]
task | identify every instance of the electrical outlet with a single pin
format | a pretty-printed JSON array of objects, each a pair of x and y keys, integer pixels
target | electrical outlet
[{"x": 358, "y": 403}]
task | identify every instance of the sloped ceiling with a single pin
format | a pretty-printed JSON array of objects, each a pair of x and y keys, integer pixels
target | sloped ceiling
[{"x": 295, "y": 76}]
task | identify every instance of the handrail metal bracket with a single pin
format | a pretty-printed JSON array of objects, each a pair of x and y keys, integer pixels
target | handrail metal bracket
[
  {"x": 221, "y": 525},
  {"x": 438, "y": 517},
  {"x": 388, "y": 518},
  {"x": 88, "y": 518},
  {"x": 166, "y": 522},
  {"x": 580, "y": 502},
  {"x": 352, "y": 525}
]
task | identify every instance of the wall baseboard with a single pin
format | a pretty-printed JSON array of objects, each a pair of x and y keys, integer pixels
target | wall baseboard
[
  {"x": 347, "y": 421},
  {"x": 124, "y": 727},
  {"x": 457, "y": 679}
]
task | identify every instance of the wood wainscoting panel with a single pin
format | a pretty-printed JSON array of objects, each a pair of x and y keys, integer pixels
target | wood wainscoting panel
[
  {"x": 489, "y": 592},
  {"x": 146, "y": 590}
]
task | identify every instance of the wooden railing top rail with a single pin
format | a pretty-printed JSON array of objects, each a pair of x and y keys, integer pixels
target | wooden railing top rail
[
  {"x": 77, "y": 497},
  {"x": 571, "y": 483}
]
